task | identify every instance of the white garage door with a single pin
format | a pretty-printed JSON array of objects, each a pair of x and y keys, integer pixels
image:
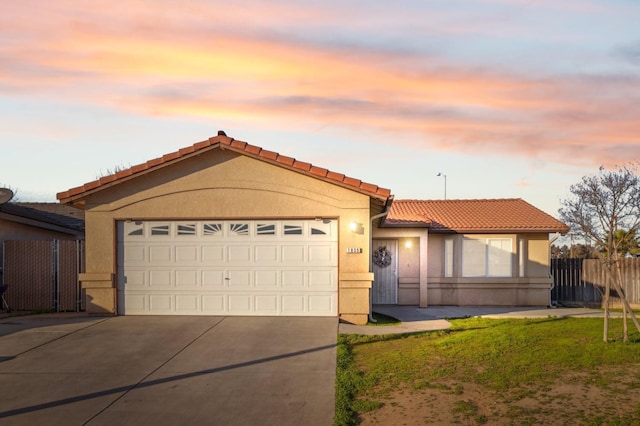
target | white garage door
[{"x": 232, "y": 267}]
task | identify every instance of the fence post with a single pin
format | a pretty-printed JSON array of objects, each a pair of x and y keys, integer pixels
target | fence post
[
  {"x": 79, "y": 268},
  {"x": 55, "y": 248}
]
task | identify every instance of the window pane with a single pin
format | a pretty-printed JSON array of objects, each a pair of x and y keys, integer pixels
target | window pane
[
  {"x": 187, "y": 229},
  {"x": 321, "y": 227},
  {"x": 448, "y": 258},
  {"x": 160, "y": 230},
  {"x": 239, "y": 229},
  {"x": 474, "y": 258},
  {"x": 292, "y": 230},
  {"x": 266, "y": 229},
  {"x": 499, "y": 261},
  {"x": 212, "y": 229},
  {"x": 521, "y": 257}
]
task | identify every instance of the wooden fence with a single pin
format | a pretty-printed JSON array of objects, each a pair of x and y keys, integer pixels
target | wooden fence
[
  {"x": 43, "y": 275},
  {"x": 582, "y": 281}
]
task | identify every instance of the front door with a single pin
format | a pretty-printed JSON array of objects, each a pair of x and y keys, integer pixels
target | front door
[{"x": 385, "y": 270}]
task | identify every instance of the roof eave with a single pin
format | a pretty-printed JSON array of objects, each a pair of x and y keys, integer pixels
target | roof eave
[
  {"x": 501, "y": 230},
  {"x": 106, "y": 182},
  {"x": 76, "y": 196},
  {"x": 40, "y": 224},
  {"x": 405, "y": 225}
]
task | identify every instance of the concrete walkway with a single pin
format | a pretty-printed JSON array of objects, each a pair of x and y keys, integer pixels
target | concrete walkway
[{"x": 414, "y": 319}]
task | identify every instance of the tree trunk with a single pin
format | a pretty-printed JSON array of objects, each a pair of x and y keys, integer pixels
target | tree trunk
[
  {"x": 625, "y": 328},
  {"x": 626, "y": 305},
  {"x": 605, "y": 301},
  {"x": 623, "y": 298}
]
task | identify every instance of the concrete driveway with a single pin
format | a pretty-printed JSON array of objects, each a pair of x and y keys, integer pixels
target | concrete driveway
[{"x": 75, "y": 370}]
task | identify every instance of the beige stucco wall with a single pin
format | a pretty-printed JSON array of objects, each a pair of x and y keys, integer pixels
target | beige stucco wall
[
  {"x": 529, "y": 287},
  {"x": 539, "y": 255},
  {"x": 225, "y": 185}
]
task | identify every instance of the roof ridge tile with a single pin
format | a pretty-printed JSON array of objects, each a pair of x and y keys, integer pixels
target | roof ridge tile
[
  {"x": 238, "y": 144},
  {"x": 285, "y": 160},
  {"x": 271, "y": 155},
  {"x": 302, "y": 165}
]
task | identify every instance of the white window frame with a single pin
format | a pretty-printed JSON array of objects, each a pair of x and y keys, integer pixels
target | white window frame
[
  {"x": 522, "y": 257},
  {"x": 480, "y": 261},
  {"x": 448, "y": 257}
]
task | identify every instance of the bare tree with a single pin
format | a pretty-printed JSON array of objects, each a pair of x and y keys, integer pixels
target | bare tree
[
  {"x": 599, "y": 207},
  {"x": 576, "y": 251}
]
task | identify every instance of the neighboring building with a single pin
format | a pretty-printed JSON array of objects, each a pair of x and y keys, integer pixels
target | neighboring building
[
  {"x": 227, "y": 228},
  {"x": 39, "y": 221}
]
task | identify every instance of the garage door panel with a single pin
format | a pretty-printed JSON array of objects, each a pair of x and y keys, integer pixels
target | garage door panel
[
  {"x": 187, "y": 278},
  {"x": 187, "y": 303},
  {"x": 239, "y": 279},
  {"x": 228, "y": 267},
  {"x": 213, "y": 254},
  {"x": 294, "y": 304},
  {"x": 322, "y": 280},
  {"x": 136, "y": 278},
  {"x": 160, "y": 254},
  {"x": 160, "y": 303},
  {"x": 266, "y": 304},
  {"x": 214, "y": 304},
  {"x": 137, "y": 302},
  {"x": 321, "y": 304},
  {"x": 321, "y": 254},
  {"x": 293, "y": 279},
  {"x": 266, "y": 278},
  {"x": 134, "y": 254},
  {"x": 213, "y": 279},
  {"x": 239, "y": 304},
  {"x": 239, "y": 253},
  {"x": 160, "y": 278},
  {"x": 187, "y": 254},
  {"x": 266, "y": 254},
  {"x": 293, "y": 254}
]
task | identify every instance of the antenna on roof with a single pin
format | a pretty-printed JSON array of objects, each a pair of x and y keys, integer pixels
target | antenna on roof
[{"x": 5, "y": 195}]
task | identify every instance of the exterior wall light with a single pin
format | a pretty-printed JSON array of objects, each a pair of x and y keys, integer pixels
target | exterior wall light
[
  {"x": 356, "y": 228},
  {"x": 408, "y": 244}
]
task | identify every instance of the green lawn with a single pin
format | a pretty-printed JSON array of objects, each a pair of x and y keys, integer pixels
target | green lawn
[{"x": 508, "y": 360}]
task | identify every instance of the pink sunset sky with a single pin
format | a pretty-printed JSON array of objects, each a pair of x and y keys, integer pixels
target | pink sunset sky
[{"x": 507, "y": 98}]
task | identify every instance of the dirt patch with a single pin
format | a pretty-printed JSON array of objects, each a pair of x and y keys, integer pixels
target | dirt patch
[{"x": 571, "y": 399}]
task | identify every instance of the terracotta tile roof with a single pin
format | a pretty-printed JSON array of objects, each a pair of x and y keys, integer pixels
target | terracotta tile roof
[
  {"x": 222, "y": 141},
  {"x": 498, "y": 215}
]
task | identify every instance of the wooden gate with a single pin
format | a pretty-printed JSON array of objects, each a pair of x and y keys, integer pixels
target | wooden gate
[
  {"x": 569, "y": 288},
  {"x": 43, "y": 275},
  {"x": 582, "y": 281}
]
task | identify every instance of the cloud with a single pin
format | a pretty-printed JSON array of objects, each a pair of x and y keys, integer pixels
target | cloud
[
  {"x": 236, "y": 63},
  {"x": 629, "y": 53}
]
